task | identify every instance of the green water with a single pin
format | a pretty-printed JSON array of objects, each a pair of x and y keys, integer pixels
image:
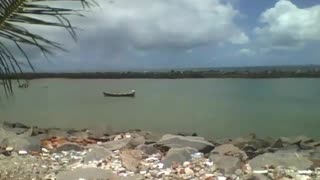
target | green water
[{"x": 210, "y": 107}]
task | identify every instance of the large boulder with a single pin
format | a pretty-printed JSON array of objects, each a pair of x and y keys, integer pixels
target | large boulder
[
  {"x": 97, "y": 153},
  {"x": 148, "y": 149},
  {"x": 125, "y": 143},
  {"x": 297, "y": 160},
  {"x": 297, "y": 139},
  {"x": 117, "y": 144},
  {"x": 17, "y": 142},
  {"x": 69, "y": 147},
  {"x": 178, "y": 155},
  {"x": 175, "y": 141},
  {"x": 229, "y": 150},
  {"x": 86, "y": 173},
  {"x": 227, "y": 164},
  {"x": 131, "y": 159},
  {"x": 243, "y": 142},
  {"x": 57, "y": 133}
]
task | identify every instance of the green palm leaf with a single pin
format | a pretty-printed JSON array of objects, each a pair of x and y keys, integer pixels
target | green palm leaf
[{"x": 14, "y": 14}]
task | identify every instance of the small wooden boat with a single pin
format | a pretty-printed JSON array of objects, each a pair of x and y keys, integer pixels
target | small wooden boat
[
  {"x": 129, "y": 94},
  {"x": 24, "y": 85}
]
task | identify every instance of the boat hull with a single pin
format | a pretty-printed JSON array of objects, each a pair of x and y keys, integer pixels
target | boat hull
[{"x": 131, "y": 94}]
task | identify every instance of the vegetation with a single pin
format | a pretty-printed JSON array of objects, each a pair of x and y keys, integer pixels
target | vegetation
[
  {"x": 311, "y": 73},
  {"x": 15, "y": 15}
]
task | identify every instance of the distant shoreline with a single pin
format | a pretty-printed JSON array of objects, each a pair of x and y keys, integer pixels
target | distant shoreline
[{"x": 268, "y": 74}]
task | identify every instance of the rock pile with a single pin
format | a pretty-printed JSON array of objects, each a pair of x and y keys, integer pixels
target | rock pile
[{"x": 34, "y": 153}]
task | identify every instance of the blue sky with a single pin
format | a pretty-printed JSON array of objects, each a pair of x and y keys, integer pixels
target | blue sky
[{"x": 144, "y": 34}]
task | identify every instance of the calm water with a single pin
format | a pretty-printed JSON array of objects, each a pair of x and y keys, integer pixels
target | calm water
[{"x": 211, "y": 107}]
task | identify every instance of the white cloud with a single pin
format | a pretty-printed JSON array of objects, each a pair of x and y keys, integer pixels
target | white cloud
[
  {"x": 170, "y": 24},
  {"x": 246, "y": 52},
  {"x": 286, "y": 26}
]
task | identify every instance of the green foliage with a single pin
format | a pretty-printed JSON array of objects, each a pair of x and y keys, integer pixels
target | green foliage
[{"x": 14, "y": 15}]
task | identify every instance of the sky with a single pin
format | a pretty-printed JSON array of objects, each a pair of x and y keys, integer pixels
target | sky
[{"x": 167, "y": 34}]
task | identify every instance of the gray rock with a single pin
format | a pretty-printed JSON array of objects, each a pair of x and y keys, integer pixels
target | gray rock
[
  {"x": 116, "y": 145},
  {"x": 252, "y": 142},
  {"x": 229, "y": 150},
  {"x": 147, "y": 149},
  {"x": 297, "y": 160},
  {"x": 18, "y": 142},
  {"x": 151, "y": 137},
  {"x": 69, "y": 147},
  {"x": 137, "y": 140},
  {"x": 255, "y": 177},
  {"x": 135, "y": 177},
  {"x": 131, "y": 159},
  {"x": 277, "y": 144},
  {"x": 178, "y": 155},
  {"x": 305, "y": 146},
  {"x": 80, "y": 134},
  {"x": 35, "y": 142},
  {"x": 15, "y": 125},
  {"x": 315, "y": 144},
  {"x": 175, "y": 141},
  {"x": 57, "y": 133},
  {"x": 16, "y": 130},
  {"x": 227, "y": 164},
  {"x": 297, "y": 139},
  {"x": 315, "y": 158},
  {"x": 97, "y": 153},
  {"x": 86, "y": 173}
]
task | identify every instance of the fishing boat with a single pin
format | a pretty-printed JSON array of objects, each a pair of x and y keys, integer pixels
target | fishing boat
[
  {"x": 128, "y": 94},
  {"x": 24, "y": 85}
]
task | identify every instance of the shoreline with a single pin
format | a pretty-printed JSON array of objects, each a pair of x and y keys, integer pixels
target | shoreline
[
  {"x": 210, "y": 74},
  {"x": 53, "y": 153}
]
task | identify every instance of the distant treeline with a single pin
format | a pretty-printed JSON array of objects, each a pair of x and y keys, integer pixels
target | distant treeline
[{"x": 172, "y": 75}]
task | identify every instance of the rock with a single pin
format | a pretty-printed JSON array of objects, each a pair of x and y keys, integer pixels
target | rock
[
  {"x": 44, "y": 150},
  {"x": 297, "y": 140},
  {"x": 136, "y": 140},
  {"x": 229, "y": 150},
  {"x": 38, "y": 131},
  {"x": 255, "y": 177},
  {"x": 227, "y": 164},
  {"x": 131, "y": 159},
  {"x": 57, "y": 133},
  {"x": 35, "y": 142},
  {"x": 22, "y": 152},
  {"x": 97, "y": 153},
  {"x": 189, "y": 171},
  {"x": 278, "y": 144},
  {"x": 135, "y": 177},
  {"x": 151, "y": 137},
  {"x": 304, "y": 146},
  {"x": 187, "y": 134},
  {"x": 79, "y": 134},
  {"x": 315, "y": 144},
  {"x": 251, "y": 142},
  {"x": 175, "y": 141},
  {"x": 86, "y": 173},
  {"x": 18, "y": 142},
  {"x": 315, "y": 158},
  {"x": 281, "y": 159},
  {"x": 15, "y": 125},
  {"x": 116, "y": 145},
  {"x": 147, "y": 149},
  {"x": 69, "y": 147},
  {"x": 17, "y": 130},
  {"x": 178, "y": 155},
  {"x": 9, "y": 149}
]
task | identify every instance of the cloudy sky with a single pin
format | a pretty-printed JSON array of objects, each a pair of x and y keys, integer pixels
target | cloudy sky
[{"x": 144, "y": 34}]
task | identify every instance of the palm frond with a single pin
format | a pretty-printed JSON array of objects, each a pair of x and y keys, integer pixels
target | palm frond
[{"x": 14, "y": 14}]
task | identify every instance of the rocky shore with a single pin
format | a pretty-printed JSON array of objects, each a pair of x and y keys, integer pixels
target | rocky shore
[{"x": 66, "y": 154}]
